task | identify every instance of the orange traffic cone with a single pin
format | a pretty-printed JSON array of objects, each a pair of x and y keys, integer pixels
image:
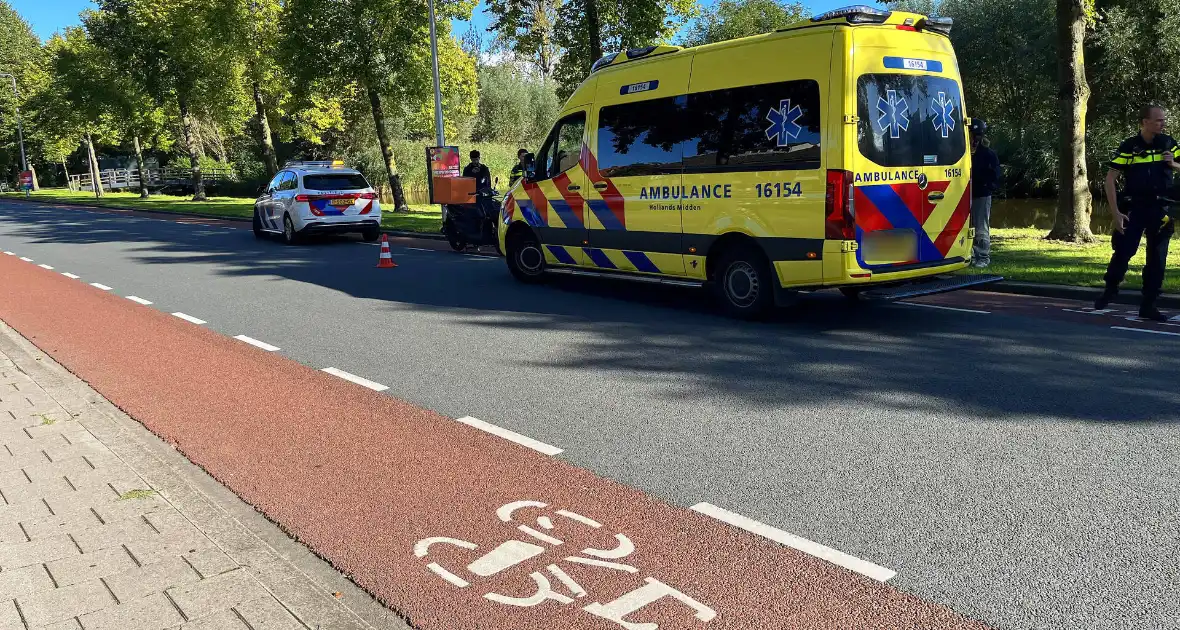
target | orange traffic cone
[{"x": 386, "y": 259}]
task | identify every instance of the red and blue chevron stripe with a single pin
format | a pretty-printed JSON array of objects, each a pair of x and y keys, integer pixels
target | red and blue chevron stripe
[{"x": 907, "y": 207}]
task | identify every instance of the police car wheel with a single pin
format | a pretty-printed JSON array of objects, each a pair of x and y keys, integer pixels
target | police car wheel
[
  {"x": 257, "y": 224},
  {"x": 743, "y": 282},
  {"x": 370, "y": 235},
  {"x": 290, "y": 237},
  {"x": 525, "y": 259}
]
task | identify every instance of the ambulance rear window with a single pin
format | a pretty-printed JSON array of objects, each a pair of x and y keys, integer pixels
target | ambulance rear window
[
  {"x": 910, "y": 120},
  {"x": 341, "y": 181}
]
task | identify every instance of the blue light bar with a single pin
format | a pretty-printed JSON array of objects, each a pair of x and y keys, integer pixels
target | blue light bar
[{"x": 855, "y": 13}]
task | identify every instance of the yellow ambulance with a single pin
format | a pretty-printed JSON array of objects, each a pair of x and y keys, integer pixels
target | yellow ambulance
[{"x": 830, "y": 154}]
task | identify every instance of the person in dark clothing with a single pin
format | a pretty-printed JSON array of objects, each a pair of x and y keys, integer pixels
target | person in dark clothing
[
  {"x": 518, "y": 170},
  {"x": 985, "y": 177},
  {"x": 483, "y": 176},
  {"x": 1146, "y": 163}
]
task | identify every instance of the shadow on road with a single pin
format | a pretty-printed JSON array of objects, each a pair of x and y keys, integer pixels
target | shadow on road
[{"x": 997, "y": 366}]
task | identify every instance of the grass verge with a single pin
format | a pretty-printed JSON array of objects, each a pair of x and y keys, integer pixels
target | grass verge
[
  {"x": 421, "y": 218},
  {"x": 1023, "y": 254}
]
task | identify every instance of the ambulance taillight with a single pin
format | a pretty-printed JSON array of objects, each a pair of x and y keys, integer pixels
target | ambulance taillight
[{"x": 839, "y": 222}]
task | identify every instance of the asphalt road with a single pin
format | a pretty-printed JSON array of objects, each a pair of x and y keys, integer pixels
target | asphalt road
[{"x": 1020, "y": 469}]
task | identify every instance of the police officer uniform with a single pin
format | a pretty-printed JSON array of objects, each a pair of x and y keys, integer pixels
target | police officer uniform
[{"x": 1145, "y": 177}]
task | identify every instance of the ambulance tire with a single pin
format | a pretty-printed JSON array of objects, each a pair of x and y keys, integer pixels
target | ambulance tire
[
  {"x": 744, "y": 285},
  {"x": 852, "y": 293},
  {"x": 525, "y": 259}
]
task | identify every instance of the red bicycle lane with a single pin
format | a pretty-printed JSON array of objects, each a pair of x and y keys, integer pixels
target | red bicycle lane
[{"x": 451, "y": 526}]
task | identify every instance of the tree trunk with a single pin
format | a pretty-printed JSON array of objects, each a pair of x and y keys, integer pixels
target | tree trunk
[
  {"x": 1073, "y": 200},
  {"x": 95, "y": 177},
  {"x": 194, "y": 156},
  {"x": 268, "y": 145},
  {"x": 143, "y": 174},
  {"x": 33, "y": 170},
  {"x": 395, "y": 182},
  {"x": 594, "y": 29},
  {"x": 65, "y": 169}
]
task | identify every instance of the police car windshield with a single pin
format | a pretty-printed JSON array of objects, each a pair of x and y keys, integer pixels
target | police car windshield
[
  {"x": 910, "y": 120},
  {"x": 335, "y": 181}
]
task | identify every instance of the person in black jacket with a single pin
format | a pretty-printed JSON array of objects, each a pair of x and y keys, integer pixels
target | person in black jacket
[
  {"x": 481, "y": 173},
  {"x": 1146, "y": 162},
  {"x": 985, "y": 177}
]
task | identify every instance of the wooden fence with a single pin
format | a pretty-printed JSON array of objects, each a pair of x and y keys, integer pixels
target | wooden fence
[{"x": 122, "y": 178}]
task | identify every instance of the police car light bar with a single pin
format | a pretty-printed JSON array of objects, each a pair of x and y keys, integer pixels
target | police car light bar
[
  {"x": 940, "y": 25},
  {"x": 856, "y": 14},
  {"x": 319, "y": 163}
]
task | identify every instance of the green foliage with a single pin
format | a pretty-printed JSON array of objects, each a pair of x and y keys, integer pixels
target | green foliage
[
  {"x": 623, "y": 25},
  {"x": 514, "y": 108},
  {"x": 731, "y": 19},
  {"x": 21, "y": 56},
  {"x": 526, "y": 27}
]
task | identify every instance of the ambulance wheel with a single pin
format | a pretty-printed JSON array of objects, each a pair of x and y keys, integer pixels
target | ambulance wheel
[
  {"x": 744, "y": 283},
  {"x": 525, "y": 259},
  {"x": 290, "y": 236},
  {"x": 257, "y": 224}
]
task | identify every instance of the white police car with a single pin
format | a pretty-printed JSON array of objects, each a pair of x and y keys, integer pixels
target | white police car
[{"x": 317, "y": 198}]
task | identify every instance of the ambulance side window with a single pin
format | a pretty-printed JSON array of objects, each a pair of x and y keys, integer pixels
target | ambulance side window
[
  {"x": 774, "y": 126},
  {"x": 642, "y": 138},
  {"x": 563, "y": 149}
]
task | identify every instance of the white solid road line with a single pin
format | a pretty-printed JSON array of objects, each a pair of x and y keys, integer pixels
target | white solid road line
[
  {"x": 44, "y": 266},
  {"x": 26, "y": 259},
  {"x": 189, "y": 318},
  {"x": 100, "y": 286},
  {"x": 353, "y": 378},
  {"x": 863, "y": 567},
  {"x": 257, "y": 343},
  {"x": 70, "y": 275},
  {"x": 1144, "y": 330},
  {"x": 947, "y": 308},
  {"x": 511, "y": 436},
  {"x": 138, "y": 300}
]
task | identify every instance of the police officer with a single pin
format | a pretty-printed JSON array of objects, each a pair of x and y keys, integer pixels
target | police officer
[
  {"x": 1146, "y": 162},
  {"x": 483, "y": 176},
  {"x": 518, "y": 170}
]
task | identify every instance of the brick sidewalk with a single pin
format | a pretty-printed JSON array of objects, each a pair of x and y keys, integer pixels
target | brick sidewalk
[{"x": 102, "y": 525}]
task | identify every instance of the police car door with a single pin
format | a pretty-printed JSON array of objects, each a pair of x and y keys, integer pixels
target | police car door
[
  {"x": 552, "y": 202},
  {"x": 634, "y": 166}
]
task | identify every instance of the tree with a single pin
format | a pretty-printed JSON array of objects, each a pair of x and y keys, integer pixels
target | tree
[
  {"x": 731, "y": 19},
  {"x": 183, "y": 51},
  {"x": 526, "y": 27},
  {"x": 371, "y": 45},
  {"x": 587, "y": 28},
  {"x": 1072, "y": 222},
  {"x": 20, "y": 56},
  {"x": 514, "y": 108}
]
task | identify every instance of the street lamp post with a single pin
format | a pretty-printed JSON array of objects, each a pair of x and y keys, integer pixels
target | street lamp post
[
  {"x": 20, "y": 134},
  {"x": 438, "y": 116}
]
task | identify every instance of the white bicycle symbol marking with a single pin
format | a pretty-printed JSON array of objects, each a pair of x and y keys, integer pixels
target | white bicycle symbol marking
[{"x": 513, "y": 552}]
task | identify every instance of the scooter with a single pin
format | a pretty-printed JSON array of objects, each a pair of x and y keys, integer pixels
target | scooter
[{"x": 473, "y": 224}]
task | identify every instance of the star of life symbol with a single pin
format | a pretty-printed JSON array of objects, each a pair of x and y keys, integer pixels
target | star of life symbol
[
  {"x": 513, "y": 553},
  {"x": 943, "y": 108},
  {"x": 895, "y": 114},
  {"x": 784, "y": 121}
]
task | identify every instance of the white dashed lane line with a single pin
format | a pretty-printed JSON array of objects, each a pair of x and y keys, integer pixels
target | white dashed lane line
[
  {"x": 1145, "y": 330},
  {"x": 70, "y": 275},
  {"x": 26, "y": 259},
  {"x": 256, "y": 343},
  {"x": 100, "y": 286},
  {"x": 189, "y": 318},
  {"x": 511, "y": 436},
  {"x": 863, "y": 567},
  {"x": 138, "y": 300},
  {"x": 353, "y": 378},
  {"x": 11, "y": 253},
  {"x": 44, "y": 266},
  {"x": 947, "y": 308}
]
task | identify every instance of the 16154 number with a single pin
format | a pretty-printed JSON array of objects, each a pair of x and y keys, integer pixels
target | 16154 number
[{"x": 779, "y": 189}]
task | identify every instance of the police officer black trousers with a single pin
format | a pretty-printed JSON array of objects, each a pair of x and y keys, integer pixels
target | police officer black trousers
[{"x": 1140, "y": 223}]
